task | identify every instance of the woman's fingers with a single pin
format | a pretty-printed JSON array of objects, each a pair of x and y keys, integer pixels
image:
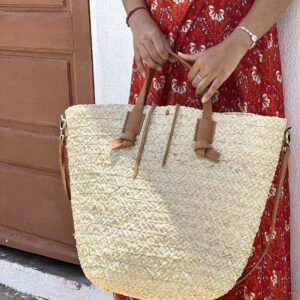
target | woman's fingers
[
  {"x": 148, "y": 59},
  {"x": 189, "y": 57},
  {"x": 154, "y": 52},
  {"x": 196, "y": 68},
  {"x": 168, "y": 49},
  {"x": 149, "y": 45},
  {"x": 139, "y": 62},
  {"x": 202, "y": 84},
  {"x": 212, "y": 90},
  {"x": 161, "y": 48},
  {"x": 198, "y": 78}
]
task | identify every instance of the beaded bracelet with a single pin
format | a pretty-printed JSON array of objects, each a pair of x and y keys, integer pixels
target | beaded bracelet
[{"x": 132, "y": 12}]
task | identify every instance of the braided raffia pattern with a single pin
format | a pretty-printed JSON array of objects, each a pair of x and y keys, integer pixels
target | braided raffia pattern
[{"x": 180, "y": 232}]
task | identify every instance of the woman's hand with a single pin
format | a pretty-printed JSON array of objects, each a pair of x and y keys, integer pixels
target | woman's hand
[
  {"x": 216, "y": 64},
  {"x": 150, "y": 45}
]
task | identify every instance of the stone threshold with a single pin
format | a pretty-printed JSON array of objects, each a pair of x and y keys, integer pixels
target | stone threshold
[{"x": 43, "y": 278}]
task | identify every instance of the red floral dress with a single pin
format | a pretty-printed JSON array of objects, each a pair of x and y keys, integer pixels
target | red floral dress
[{"x": 255, "y": 87}]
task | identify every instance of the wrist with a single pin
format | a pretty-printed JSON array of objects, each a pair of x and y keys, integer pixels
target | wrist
[
  {"x": 239, "y": 42},
  {"x": 137, "y": 17}
]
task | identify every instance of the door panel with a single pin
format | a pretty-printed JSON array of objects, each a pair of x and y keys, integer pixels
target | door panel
[
  {"x": 39, "y": 206},
  {"x": 29, "y": 103},
  {"x": 33, "y": 3},
  {"x": 38, "y": 31},
  {"x": 35, "y": 151},
  {"x": 45, "y": 66}
]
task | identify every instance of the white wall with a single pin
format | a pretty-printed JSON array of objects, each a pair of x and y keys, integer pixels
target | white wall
[
  {"x": 112, "y": 51},
  {"x": 289, "y": 29}
]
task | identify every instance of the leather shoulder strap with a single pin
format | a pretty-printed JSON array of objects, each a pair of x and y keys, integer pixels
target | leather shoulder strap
[
  {"x": 284, "y": 164},
  {"x": 63, "y": 157}
]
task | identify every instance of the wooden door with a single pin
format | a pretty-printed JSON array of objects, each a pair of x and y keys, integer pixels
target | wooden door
[{"x": 45, "y": 66}]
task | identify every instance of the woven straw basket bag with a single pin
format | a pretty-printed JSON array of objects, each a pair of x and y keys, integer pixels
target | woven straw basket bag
[{"x": 169, "y": 209}]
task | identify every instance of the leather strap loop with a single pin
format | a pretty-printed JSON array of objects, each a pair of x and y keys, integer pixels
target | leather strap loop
[
  {"x": 204, "y": 136},
  {"x": 205, "y": 130},
  {"x": 135, "y": 118},
  {"x": 202, "y": 144},
  {"x": 131, "y": 128}
]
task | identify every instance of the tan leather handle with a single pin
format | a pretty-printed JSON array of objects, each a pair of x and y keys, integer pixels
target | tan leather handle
[
  {"x": 141, "y": 100},
  {"x": 204, "y": 131}
]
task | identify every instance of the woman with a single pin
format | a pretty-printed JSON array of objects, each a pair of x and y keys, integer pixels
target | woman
[{"x": 238, "y": 74}]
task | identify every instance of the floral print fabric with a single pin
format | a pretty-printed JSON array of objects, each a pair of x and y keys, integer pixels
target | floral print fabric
[{"x": 255, "y": 86}]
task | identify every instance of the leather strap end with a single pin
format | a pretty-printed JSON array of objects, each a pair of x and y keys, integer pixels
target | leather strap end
[
  {"x": 121, "y": 143},
  {"x": 209, "y": 153},
  {"x": 204, "y": 149},
  {"x": 204, "y": 136},
  {"x": 213, "y": 155}
]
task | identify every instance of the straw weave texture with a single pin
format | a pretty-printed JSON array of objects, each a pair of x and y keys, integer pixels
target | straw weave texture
[{"x": 180, "y": 232}]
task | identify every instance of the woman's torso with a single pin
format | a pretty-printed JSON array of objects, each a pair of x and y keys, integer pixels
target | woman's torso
[{"x": 196, "y": 25}]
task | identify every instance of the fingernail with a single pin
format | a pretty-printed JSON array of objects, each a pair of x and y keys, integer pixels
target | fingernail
[
  {"x": 159, "y": 68},
  {"x": 144, "y": 74},
  {"x": 204, "y": 99}
]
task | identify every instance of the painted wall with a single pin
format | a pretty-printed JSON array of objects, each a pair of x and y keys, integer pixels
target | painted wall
[
  {"x": 289, "y": 29},
  {"x": 112, "y": 51}
]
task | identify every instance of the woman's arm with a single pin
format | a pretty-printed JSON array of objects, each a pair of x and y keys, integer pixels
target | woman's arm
[
  {"x": 150, "y": 45},
  {"x": 217, "y": 63},
  {"x": 263, "y": 15}
]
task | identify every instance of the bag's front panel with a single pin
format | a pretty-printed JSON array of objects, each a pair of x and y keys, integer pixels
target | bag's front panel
[{"x": 182, "y": 231}]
